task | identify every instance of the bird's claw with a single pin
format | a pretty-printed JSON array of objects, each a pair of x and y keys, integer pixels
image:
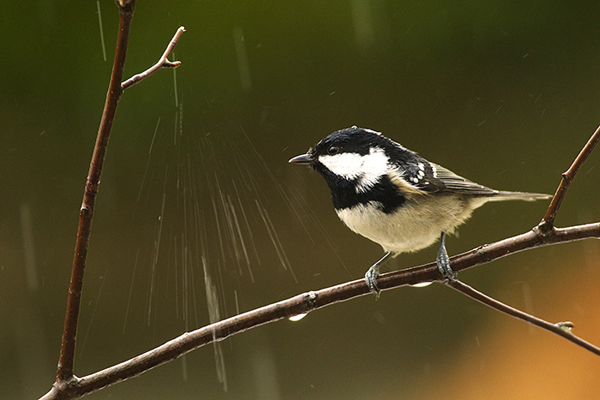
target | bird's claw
[
  {"x": 371, "y": 280},
  {"x": 443, "y": 262}
]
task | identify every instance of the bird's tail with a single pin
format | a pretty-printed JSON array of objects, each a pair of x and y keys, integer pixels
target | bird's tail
[{"x": 503, "y": 195}]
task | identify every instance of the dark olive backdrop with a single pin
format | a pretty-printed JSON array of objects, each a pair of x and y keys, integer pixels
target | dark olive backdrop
[{"x": 197, "y": 189}]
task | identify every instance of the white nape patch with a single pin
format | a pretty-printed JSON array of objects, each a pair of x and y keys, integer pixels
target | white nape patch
[
  {"x": 372, "y": 131},
  {"x": 367, "y": 169}
]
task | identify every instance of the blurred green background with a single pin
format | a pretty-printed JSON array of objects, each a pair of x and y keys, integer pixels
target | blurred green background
[{"x": 197, "y": 189}]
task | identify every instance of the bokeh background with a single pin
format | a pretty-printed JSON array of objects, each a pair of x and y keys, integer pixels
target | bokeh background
[{"x": 197, "y": 196}]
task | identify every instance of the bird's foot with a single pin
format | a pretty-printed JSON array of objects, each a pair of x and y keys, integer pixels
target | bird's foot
[
  {"x": 443, "y": 261},
  {"x": 371, "y": 279},
  {"x": 373, "y": 273}
]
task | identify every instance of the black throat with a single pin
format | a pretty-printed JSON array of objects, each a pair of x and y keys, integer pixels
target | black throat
[{"x": 344, "y": 194}]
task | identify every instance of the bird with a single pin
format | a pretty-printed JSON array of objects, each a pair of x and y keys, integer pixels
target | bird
[{"x": 394, "y": 197}]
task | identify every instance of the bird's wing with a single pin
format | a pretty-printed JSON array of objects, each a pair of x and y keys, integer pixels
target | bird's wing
[
  {"x": 444, "y": 180},
  {"x": 420, "y": 176}
]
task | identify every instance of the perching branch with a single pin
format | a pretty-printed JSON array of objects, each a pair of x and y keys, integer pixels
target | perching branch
[
  {"x": 64, "y": 376},
  {"x": 163, "y": 62},
  {"x": 311, "y": 301}
]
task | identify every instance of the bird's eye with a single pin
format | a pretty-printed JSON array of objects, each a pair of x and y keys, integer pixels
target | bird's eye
[{"x": 333, "y": 150}]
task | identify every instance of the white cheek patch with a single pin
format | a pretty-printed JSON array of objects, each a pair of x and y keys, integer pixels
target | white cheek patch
[
  {"x": 367, "y": 169},
  {"x": 375, "y": 165},
  {"x": 346, "y": 165}
]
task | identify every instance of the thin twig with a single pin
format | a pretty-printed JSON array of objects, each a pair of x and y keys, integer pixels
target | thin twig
[
  {"x": 86, "y": 213},
  {"x": 547, "y": 224},
  {"x": 544, "y": 233},
  {"x": 64, "y": 375},
  {"x": 163, "y": 62},
  {"x": 307, "y": 302},
  {"x": 561, "y": 328}
]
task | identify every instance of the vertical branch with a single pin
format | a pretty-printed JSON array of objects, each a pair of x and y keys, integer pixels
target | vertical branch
[
  {"x": 547, "y": 224},
  {"x": 67, "y": 350}
]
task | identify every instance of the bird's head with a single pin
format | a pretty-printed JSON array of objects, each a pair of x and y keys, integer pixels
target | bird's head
[{"x": 354, "y": 156}]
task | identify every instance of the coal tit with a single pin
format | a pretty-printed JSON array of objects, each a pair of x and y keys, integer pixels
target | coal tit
[{"x": 395, "y": 197}]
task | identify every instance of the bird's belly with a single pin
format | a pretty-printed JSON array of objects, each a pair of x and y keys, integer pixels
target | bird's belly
[{"x": 405, "y": 230}]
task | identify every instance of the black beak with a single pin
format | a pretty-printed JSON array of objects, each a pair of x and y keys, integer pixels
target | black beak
[{"x": 301, "y": 159}]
